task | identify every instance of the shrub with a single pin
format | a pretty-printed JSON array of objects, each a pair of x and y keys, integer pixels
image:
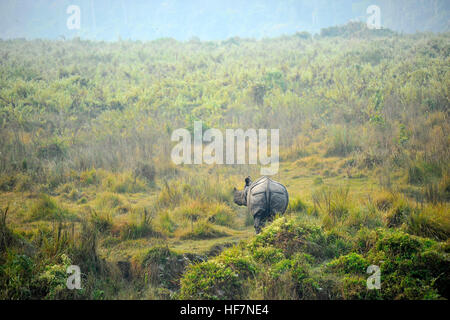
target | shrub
[
  {"x": 268, "y": 254},
  {"x": 23, "y": 182},
  {"x": 351, "y": 263},
  {"x": 222, "y": 277},
  {"x": 411, "y": 268},
  {"x": 108, "y": 200},
  {"x": 398, "y": 244},
  {"x": 211, "y": 280},
  {"x": 89, "y": 177},
  {"x": 292, "y": 236}
]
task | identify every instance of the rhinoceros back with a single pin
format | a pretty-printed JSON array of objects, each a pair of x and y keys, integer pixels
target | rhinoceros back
[{"x": 267, "y": 197}]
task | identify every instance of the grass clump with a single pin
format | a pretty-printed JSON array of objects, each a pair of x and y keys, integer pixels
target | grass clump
[
  {"x": 221, "y": 214},
  {"x": 276, "y": 264},
  {"x": 411, "y": 268},
  {"x": 291, "y": 259},
  {"x": 351, "y": 263},
  {"x": 123, "y": 183},
  {"x": 7, "y": 182},
  {"x": 163, "y": 267},
  {"x": 202, "y": 230},
  {"x": 45, "y": 208},
  {"x": 166, "y": 225},
  {"x": 101, "y": 222},
  {"x": 142, "y": 229},
  {"x": 296, "y": 205},
  {"x": 365, "y": 216},
  {"x": 341, "y": 142},
  {"x": 398, "y": 214},
  {"x": 430, "y": 221},
  {"x": 333, "y": 203},
  {"x": 211, "y": 281},
  {"x": 89, "y": 177},
  {"x": 35, "y": 267},
  {"x": 222, "y": 277}
]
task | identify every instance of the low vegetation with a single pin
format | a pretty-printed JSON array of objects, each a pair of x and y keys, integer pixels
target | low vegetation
[{"x": 86, "y": 177}]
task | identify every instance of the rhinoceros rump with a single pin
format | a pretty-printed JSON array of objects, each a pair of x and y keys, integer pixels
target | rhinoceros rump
[{"x": 264, "y": 199}]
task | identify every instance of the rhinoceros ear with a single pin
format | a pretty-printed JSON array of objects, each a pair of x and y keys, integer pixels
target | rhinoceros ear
[
  {"x": 248, "y": 180},
  {"x": 234, "y": 189}
]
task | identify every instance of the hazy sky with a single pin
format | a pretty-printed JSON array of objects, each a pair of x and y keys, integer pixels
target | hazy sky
[{"x": 207, "y": 19}]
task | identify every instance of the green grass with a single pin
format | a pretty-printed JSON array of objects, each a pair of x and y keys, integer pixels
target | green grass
[
  {"x": 329, "y": 228},
  {"x": 88, "y": 178}
]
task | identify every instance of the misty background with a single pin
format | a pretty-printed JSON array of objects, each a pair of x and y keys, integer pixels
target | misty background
[{"x": 209, "y": 20}]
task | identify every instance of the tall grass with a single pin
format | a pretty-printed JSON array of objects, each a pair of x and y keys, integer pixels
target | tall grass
[
  {"x": 431, "y": 222},
  {"x": 143, "y": 228},
  {"x": 333, "y": 203},
  {"x": 341, "y": 142}
]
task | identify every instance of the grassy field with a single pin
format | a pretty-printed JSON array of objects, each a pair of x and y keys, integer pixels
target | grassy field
[
  {"x": 86, "y": 177},
  {"x": 126, "y": 226}
]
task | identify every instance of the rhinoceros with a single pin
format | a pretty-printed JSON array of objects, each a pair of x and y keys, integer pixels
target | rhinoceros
[{"x": 264, "y": 198}]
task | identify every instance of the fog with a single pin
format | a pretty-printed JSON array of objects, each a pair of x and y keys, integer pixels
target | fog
[{"x": 208, "y": 20}]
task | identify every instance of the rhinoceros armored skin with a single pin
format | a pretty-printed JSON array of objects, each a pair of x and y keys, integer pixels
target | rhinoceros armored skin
[{"x": 266, "y": 198}]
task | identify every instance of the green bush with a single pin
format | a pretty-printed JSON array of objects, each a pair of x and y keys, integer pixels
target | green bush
[
  {"x": 211, "y": 280},
  {"x": 351, "y": 263}
]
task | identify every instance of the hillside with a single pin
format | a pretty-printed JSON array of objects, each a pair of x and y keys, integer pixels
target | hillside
[{"x": 86, "y": 176}]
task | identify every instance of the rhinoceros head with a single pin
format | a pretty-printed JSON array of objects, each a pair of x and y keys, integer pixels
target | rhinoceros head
[{"x": 240, "y": 195}]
